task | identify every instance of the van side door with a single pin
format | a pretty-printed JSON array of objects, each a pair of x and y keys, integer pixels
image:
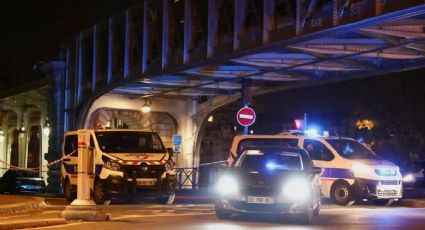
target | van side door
[{"x": 70, "y": 164}]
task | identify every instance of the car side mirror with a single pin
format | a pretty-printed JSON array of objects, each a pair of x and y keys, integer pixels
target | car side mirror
[
  {"x": 170, "y": 151},
  {"x": 316, "y": 170}
]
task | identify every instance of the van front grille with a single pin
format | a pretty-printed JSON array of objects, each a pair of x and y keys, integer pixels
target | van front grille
[{"x": 144, "y": 171}]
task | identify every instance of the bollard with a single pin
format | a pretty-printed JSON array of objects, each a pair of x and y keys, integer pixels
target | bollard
[{"x": 83, "y": 208}]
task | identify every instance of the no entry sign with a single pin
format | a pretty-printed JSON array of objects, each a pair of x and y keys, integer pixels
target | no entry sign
[{"x": 246, "y": 116}]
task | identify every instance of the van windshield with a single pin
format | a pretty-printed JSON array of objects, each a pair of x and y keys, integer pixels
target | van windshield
[
  {"x": 129, "y": 142},
  {"x": 352, "y": 149}
]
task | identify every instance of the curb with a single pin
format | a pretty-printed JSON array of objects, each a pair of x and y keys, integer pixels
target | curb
[
  {"x": 414, "y": 203},
  {"x": 19, "y": 207},
  {"x": 32, "y": 224}
]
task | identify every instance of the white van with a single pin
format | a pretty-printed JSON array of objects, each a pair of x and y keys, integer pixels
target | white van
[
  {"x": 351, "y": 171},
  {"x": 127, "y": 162}
]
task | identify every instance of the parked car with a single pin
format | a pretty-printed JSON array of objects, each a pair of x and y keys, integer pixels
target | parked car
[
  {"x": 270, "y": 180},
  {"x": 20, "y": 180}
]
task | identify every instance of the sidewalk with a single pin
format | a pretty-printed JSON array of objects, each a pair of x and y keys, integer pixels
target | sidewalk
[
  {"x": 14, "y": 203},
  {"x": 196, "y": 196}
]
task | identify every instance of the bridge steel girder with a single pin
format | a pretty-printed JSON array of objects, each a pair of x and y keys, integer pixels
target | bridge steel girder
[{"x": 169, "y": 37}]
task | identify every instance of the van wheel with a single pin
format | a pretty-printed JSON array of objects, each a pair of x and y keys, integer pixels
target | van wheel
[
  {"x": 342, "y": 193},
  {"x": 67, "y": 190},
  {"x": 99, "y": 193},
  {"x": 167, "y": 199}
]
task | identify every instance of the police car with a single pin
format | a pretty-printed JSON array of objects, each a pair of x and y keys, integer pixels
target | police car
[
  {"x": 351, "y": 171},
  {"x": 272, "y": 180}
]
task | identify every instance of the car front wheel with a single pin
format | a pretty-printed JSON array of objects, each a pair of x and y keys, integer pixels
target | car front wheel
[
  {"x": 222, "y": 214},
  {"x": 169, "y": 199},
  {"x": 307, "y": 217}
]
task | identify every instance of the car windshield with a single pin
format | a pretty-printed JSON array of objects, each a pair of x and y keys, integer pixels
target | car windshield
[
  {"x": 272, "y": 159},
  {"x": 25, "y": 174},
  {"x": 352, "y": 149},
  {"x": 284, "y": 142},
  {"x": 129, "y": 142}
]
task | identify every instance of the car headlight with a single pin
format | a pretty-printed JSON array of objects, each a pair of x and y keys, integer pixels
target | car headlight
[
  {"x": 112, "y": 165},
  {"x": 408, "y": 178},
  {"x": 361, "y": 168},
  {"x": 227, "y": 186},
  {"x": 169, "y": 166},
  {"x": 297, "y": 189}
]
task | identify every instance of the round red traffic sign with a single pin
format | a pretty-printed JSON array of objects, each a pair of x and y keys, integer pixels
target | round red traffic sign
[{"x": 246, "y": 116}]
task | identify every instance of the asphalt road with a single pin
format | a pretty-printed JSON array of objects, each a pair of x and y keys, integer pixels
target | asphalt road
[{"x": 201, "y": 216}]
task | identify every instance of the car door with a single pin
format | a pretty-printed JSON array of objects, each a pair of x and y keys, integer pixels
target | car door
[{"x": 322, "y": 157}]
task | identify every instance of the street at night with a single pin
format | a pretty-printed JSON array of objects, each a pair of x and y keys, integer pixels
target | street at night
[
  {"x": 201, "y": 216},
  {"x": 212, "y": 114}
]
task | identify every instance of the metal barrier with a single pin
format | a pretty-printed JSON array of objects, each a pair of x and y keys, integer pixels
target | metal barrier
[{"x": 189, "y": 178}]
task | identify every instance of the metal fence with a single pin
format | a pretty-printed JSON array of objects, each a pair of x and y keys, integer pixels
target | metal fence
[{"x": 202, "y": 176}]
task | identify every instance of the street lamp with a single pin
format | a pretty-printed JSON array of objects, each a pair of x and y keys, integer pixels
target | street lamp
[
  {"x": 146, "y": 108},
  {"x": 210, "y": 119},
  {"x": 46, "y": 127},
  {"x": 1, "y": 136},
  {"x": 22, "y": 128}
]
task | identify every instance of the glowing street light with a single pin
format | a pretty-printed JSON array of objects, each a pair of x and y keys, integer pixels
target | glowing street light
[
  {"x": 46, "y": 127},
  {"x": 1, "y": 136},
  {"x": 146, "y": 108},
  {"x": 210, "y": 119}
]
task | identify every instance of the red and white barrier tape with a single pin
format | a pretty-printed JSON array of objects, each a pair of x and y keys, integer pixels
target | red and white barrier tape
[{"x": 43, "y": 166}]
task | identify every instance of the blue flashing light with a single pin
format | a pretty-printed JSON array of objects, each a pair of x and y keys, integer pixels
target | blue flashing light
[
  {"x": 386, "y": 172},
  {"x": 311, "y": 132},
  {"x": 271, "y": 165}
]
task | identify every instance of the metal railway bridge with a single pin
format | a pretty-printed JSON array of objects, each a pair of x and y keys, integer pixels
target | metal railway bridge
[{"x": 186, "y": 58}]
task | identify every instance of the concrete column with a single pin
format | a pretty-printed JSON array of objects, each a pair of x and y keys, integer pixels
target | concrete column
[{"x": 189, "y": 132}]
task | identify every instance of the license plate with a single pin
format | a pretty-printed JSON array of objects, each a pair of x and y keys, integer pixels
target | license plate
[
  {"x": 260, "y": 200},
  {"x": 148, "y": 182}
]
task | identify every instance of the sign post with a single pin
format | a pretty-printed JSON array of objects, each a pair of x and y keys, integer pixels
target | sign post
[
  {"x": 177, "y": 141},
  {"x": 246, "y": 116},
  {"x": 83, "y": 184}
]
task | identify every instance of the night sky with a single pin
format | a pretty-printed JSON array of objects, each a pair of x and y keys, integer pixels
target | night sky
[{"x": 33, "y": 31}]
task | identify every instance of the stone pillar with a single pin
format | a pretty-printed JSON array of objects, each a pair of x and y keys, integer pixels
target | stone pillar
[
  {"x": 44, "y": 141},
  {"x": 3, "y": 142},
  {"x": 22, "y": 126},
  {"x": 55, "y": 72}
]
